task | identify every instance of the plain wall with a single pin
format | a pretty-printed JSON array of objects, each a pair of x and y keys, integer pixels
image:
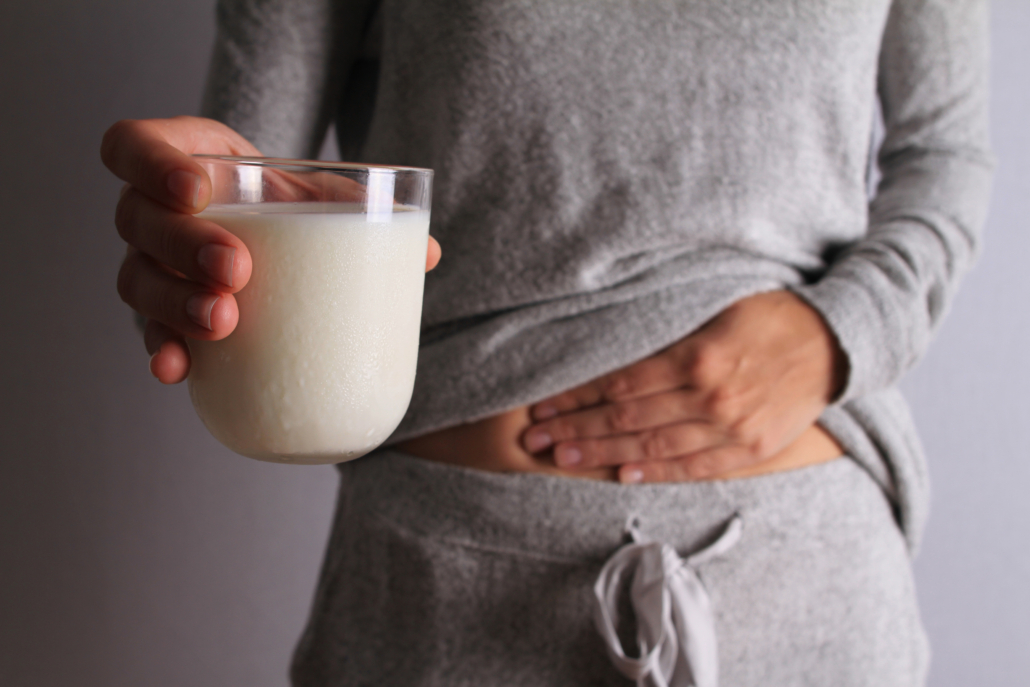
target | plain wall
[{"x": 134, "y": 550}]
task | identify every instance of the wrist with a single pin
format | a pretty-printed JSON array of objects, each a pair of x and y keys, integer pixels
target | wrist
[{"x": 838, "y": 363}]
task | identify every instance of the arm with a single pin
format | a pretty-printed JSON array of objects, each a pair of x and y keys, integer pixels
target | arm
[
  {"x": 750, "y": 382},
  {"x": 885, "y": 295},
  {"x": 277, "y": 68}
]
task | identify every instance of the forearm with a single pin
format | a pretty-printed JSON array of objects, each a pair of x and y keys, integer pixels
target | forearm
[{"x": 885, "y": 295}]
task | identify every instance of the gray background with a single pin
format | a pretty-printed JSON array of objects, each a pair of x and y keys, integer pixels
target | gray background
[{"x": 134, "y": 550}]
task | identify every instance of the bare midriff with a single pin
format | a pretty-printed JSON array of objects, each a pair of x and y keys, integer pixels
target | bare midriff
[{"x": 494, "y": 444}]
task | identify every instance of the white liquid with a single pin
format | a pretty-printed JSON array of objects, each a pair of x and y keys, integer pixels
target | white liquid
[{"x": 321, "y": 366}]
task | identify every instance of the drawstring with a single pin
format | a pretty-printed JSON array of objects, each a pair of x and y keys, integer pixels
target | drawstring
[{"x": 675, "y": 624}]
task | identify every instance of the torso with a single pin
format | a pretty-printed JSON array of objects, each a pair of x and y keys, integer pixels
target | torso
[{"x": 598, "y": 174}]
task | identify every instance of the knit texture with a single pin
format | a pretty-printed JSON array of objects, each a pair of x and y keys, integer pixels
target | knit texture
[
  {"x": 441, "y": 576},
  {"x": 612, "y": 174}
]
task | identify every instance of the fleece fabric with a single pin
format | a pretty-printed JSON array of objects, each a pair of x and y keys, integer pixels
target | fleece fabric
[
  {"x": 611, "y": 174},
  {"x": 442, "y": 576}
]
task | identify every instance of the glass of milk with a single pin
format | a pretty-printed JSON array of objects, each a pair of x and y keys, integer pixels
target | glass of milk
[{"x": 321, "y": 366}]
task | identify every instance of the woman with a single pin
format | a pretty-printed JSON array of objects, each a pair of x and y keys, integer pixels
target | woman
[{"x": 661, "y": 267}]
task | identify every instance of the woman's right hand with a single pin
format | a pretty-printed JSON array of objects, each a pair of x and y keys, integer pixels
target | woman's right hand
[{"x": 180, "y": 271}]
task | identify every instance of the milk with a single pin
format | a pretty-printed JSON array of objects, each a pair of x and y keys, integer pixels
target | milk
[{"x": 321, "y": 366}]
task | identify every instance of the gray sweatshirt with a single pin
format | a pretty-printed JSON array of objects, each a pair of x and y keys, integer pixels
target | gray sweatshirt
[{"x": 610, "y": 174}]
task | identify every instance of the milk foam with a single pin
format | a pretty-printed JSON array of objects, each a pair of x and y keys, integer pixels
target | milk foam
[{"x": 321, "y": 366}]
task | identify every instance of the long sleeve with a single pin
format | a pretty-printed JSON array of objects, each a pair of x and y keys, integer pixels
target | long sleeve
[
  {"x": 884, "y": 295},
  {"x": 277, "y": 67}
]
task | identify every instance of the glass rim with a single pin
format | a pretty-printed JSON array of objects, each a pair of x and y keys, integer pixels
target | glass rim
[{"x": 279, "y": 162}]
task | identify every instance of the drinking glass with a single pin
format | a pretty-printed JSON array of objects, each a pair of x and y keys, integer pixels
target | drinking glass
[{"x": 321, "y": 365}]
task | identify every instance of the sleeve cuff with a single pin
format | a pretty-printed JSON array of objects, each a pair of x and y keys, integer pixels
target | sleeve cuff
[{"x": 868, "y": 327}]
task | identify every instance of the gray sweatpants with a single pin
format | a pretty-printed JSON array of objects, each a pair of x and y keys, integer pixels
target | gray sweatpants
[{"x": 445, "y": 576}]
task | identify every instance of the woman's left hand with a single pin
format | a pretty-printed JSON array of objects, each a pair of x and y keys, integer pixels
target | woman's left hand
[{"x": 729, "y": 396}]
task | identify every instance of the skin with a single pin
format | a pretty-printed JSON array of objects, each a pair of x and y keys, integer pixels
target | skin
[
  {"x": 737, "y": 397},
  {"x": 179, "y": 271},
  {"x": 724, "y": 401}
]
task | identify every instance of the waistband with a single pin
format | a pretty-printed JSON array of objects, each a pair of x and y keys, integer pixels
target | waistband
[{"x": 577, "y": 519}]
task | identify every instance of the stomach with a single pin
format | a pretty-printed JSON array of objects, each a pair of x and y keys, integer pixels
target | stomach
[{"x": 495, "y": 444}]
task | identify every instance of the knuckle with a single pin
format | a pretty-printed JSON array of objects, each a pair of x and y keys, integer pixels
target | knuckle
[
  {"x": 683, "y": 405},
  {"x": 168, "y": 304},
  {"x": 172, "y": 238},
  {"x": 616, "y": 386},
  {"x": 620, "y": 418},
  {"x": 112, "y": 137},
  {"x": 698, "y": 359},
  {"x": 706, "y": 367},
  {"x": 721, "y": 405},
  {"x": 562, "y": 430},
  {"x": 125, "y": 214},
  {"x": 127, "y": 281},
  {"x": 654, "y": 446}
]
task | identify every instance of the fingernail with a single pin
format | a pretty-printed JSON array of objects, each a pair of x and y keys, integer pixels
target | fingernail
[
  {"x": 216, "y": 261},
  {"x": 152, "y": 358},
  {"x": 199, "y": 307},
  {"x": 544, "y": 412},
  {"x": 185, "y": 186},
  {"x": 538, "y": 441},
  {"x": 568, "y": 456},
  {"x": 631, "y": 475}
]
